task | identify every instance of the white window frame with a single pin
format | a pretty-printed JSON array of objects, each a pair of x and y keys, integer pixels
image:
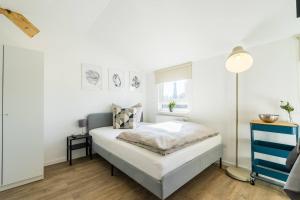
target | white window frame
[{"x": 178, "y": 110}]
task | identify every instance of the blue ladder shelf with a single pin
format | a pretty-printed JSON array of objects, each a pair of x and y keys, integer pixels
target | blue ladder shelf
[{"x": 267, "y": 168}]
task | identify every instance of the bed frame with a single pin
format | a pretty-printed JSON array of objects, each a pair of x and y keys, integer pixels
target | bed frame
[{"x": 172, "y": 180}]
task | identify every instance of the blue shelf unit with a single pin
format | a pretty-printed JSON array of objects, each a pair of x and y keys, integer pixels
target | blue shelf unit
[{"x": 267, "y": 168}]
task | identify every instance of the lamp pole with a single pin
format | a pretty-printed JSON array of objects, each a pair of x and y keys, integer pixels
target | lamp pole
[
  {"x": 238, "y": 61},
  {"x": 236, "y": 120}
]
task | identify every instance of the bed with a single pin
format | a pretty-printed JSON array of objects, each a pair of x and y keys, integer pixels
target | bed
[{"x": 161, "y": 175}]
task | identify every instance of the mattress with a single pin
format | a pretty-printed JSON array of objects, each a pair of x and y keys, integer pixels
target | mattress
[{"x": 149, "y": 162}]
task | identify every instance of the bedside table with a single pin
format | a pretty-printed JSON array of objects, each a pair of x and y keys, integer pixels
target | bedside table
[{"x": 87, "y": 144}]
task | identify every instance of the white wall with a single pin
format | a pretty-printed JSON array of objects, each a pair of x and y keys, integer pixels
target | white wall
[
  {"x": 273, "y": 77},
  {"x": 65, "y": 102}
]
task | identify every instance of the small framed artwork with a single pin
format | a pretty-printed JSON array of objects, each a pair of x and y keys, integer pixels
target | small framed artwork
[
  {"x": 91, "y": 77},
  {"x": 135, "y": 81},
  {"x": 116, "y": 79}
]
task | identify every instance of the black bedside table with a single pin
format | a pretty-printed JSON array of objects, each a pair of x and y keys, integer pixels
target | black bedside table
[{"x": 87, "y": 144}]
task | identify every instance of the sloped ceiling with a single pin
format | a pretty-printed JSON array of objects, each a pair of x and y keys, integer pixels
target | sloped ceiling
[
  {"x": 60, "y": 21},
  {"x": 157, "y": 33}
]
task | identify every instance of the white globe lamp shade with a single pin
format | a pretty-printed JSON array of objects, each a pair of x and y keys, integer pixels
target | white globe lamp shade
[{"x": 239, "y": 60}]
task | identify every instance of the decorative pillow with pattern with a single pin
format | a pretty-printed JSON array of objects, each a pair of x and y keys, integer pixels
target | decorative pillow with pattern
[
  {"x": 124, "y": 118},
  {"x": 115, "y": 109},
  {"x": 139, "y": 113}
]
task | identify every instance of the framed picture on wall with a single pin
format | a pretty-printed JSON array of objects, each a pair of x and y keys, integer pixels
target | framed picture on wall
[
  {"x": 91, "y": 77},
  {"x": 135, "y": 81},
  {"x": 116, "y": 79}
]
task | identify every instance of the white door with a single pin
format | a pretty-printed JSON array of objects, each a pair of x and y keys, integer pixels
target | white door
[
  {"x": 1, "y": 63},
  {"x": 22, "y": 115}
]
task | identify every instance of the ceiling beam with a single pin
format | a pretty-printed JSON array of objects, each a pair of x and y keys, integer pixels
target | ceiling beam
[{"x": 20, "y": 21}]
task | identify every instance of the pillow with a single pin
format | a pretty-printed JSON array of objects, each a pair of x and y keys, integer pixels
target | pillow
[
  {"x": 292, "y": 157},
  {"x": 139, "y": 113},
  {"x": 115, "y": 109},
  {"x": 124, "y": 118}
]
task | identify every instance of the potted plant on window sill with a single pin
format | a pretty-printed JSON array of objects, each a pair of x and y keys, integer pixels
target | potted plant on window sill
[{"x": 171, "y": 105}]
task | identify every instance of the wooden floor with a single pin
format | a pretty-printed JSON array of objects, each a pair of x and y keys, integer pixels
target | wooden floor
[{"x": 91, "y": 180}]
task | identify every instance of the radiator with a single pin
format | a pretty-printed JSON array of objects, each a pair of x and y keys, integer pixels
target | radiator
[{"x": 164, "y": 118}]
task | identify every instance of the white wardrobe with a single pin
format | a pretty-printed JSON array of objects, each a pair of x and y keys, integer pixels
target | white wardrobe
[{"x": 21, "y": 119}]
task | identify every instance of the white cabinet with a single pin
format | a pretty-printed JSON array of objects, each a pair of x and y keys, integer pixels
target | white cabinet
[
  {"x": 1, "y": 136},
  {"x": 22, "y": 116}
]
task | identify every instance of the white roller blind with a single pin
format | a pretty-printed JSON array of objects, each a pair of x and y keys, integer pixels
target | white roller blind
[{"x": 175, "y": 73}]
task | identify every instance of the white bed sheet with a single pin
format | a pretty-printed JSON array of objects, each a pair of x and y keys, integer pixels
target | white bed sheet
[{"x": 149, "y": 162}]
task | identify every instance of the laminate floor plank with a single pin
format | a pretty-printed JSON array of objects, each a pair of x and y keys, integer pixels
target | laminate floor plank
[{"x": 90, "y": 180}]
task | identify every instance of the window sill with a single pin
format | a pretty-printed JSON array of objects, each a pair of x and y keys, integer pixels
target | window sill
[{"x": 175, "y": 113}]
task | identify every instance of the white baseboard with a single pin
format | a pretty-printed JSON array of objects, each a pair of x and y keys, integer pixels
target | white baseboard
[
  {"x": 79, "y": 155},
  {"x": 55, "y": 161},
  {"x": 229, "y": 164},
  {"x": 64, "y": 159},
  {"x": 6, "y": 187}
]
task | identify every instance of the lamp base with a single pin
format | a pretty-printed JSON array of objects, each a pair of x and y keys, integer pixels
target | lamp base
[{"x": 238, "y": 173}]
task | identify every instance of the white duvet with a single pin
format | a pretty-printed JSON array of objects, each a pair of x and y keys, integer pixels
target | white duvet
[{"x": 167, "y": 137}]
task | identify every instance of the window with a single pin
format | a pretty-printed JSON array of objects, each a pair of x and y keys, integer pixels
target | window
[
  {"x": 177, "y": 91},
  {"x": 174, "y": 84}
]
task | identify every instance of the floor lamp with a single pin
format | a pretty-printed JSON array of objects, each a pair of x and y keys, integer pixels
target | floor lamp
[{"x": 238, "y": 61}]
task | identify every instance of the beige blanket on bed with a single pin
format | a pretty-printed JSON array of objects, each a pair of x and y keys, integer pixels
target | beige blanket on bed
[{"x": 167, "y": 137}]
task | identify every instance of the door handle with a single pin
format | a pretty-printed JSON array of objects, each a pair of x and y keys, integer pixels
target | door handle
[{"x": 6, "y": 114}]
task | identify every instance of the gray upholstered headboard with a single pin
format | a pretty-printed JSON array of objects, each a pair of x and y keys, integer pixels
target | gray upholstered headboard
[{"x": 98, "y": 120}]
